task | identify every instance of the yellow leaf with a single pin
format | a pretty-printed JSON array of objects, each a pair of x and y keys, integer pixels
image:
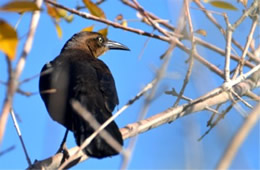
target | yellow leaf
[
  {"x": 94, "y": 9},
  {"x": 53, "y": 12},
  {"x": 201, "y": 32},
  {"x": 8, "y": 39},
  {"x": 89, "y": 29},
  {"x": 223, "y": 5},
  {"x": 104, "y": 31},
  {"x": 61, "y": 12},
  {"x": 57, "y": 13},
  {"x": 124, "y": 23},
  {"x": 20, "y": 6},
  {"x": 69, "y": 18},
  {"x": 59, "y": 30}
]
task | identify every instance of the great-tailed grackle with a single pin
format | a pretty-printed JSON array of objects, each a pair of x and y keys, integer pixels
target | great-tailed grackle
[{"x": 78, "y": 74}]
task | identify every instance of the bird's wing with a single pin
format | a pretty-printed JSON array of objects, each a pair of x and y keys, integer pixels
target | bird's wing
[
  {"x": 108, "y": 89},
  {"x": 45, "y": 78},
  {"x": 94, "y": 84},
  {"x": 53, "y": 85}
]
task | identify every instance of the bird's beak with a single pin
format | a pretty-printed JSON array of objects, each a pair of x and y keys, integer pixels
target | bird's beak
[{"x": 112, "y": 45}]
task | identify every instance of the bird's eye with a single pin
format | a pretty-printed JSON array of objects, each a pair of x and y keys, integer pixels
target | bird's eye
[{"x": 100, "y": 40}]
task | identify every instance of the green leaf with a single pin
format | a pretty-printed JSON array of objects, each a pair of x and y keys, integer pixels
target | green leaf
[
  {"x": 20, "y": 6},
  {"x": 94, "y": 9},
  {"x": 8, "y": 40},
  {"x": 223, "y": 5}
]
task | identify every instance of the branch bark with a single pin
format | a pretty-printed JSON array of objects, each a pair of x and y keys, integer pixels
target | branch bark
[
  {"x": 216, "y": 96},
  {"x": 15, "y": 75}
]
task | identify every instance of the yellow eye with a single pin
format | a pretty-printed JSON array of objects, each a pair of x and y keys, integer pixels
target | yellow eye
[{"x": 100, "y": 40}]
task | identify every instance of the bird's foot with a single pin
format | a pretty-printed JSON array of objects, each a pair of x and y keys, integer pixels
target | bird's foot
[
  {"x": 65, "y": 151},
  {"x": 62, "y": 148}
]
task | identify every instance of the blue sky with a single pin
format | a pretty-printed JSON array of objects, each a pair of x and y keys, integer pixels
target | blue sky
[{"x": 170, "y": 146}]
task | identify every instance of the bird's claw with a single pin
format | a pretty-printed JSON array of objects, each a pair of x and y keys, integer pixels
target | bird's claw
[{"x": 64, "y": 150}]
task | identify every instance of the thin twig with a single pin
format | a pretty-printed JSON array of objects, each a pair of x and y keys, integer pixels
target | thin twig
[
  {"x": 130, "y": 102},
  {"x": 145, "y": 45},
  {"x": 229, "y": 85},
  {"x": 212, "y": 125},
  {"x": 164, "y": 23},
  {"x": 241, "y": 99},
  {"x": 163, "y": 38},
  {"x": 209, "y": 123},
  {"x": 29, "y": 42},
  {"x": 14, "y": 75},
  {"x": 248, "y": 42},
  {"x": 8, "y": 100},
  {"x": 220, "y": 51},
  {"x": 253, "y": 8},
  {"x": 253, "y": 96},
  {"x": 108, "y": 22},
  {"x": 7, "y": 150},
  {"x": 100, "y": 2},
  {"x": 147, "y": 103},
  {"x": 145, "y": 108},
  {"x": 82, "y": 156},
  {"x": 87, "y": 116},
  {"x": 153, "y": 23},
  {"x": 189, "y": 71},
  {"x": 214, "y": 21},
  {"x": 30, "y": 78},
  {"x": 228, "y": 36},
  {"x": 174, "y": 93},
  {"x": 20, "y": 137},
  {"x": 198, "y": 40},
  {"x": 167, "y": 116}
]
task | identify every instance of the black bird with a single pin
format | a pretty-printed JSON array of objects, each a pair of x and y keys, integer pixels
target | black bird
[{"x": 78, "y": 74}]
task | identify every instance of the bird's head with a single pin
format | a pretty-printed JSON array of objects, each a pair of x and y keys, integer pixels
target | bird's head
[{"x": 92, "y": 42}]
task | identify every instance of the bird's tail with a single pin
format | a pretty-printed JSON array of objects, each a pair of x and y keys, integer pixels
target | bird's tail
[{"x": 98, "y": 148}]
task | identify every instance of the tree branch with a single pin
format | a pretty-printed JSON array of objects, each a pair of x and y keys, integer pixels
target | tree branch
[
  {"x": 14, "y": 75},
  {"x": 212, "y": 98}
]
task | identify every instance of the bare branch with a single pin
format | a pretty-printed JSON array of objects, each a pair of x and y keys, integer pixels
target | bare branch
[
  {"x": 9, "y": 149},
  {"x": 147, "y": 103},
  {"x": 238, "y": 139},
  {"x": 163, "y": 38},
  {"x": 252, "y": 9},
  {"x": 14, "y": 75},
  {"x": 213, "y": 20},
  {"x": 212, "y": 98},
  {"x": 96, "y": 126},
  {"x": 108, "y": 22},
  {"x": 248, "y": 42},
  {"x": 20, "y": 137},
  {"x": 213, "y": 124},
  {"x": 189, "y": 71},
  {"x": 228, "y": 36}
]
